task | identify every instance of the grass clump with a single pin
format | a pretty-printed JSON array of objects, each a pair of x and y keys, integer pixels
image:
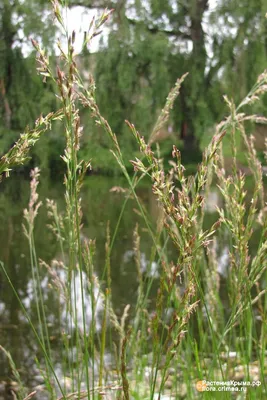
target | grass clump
[{"x": 192, "y": 331}]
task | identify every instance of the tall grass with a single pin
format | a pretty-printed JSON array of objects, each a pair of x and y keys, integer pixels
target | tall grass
[{"x": 194, "y": 332}]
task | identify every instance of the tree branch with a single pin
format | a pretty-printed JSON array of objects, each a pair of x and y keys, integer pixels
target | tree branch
[
  {"x": 92, "y": 4},
  {"x": 156, "y": 29}
]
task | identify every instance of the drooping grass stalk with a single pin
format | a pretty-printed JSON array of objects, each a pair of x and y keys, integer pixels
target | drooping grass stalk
[
  {"x": 87, "y": 98},
  {"x": 19, "y": 153}
]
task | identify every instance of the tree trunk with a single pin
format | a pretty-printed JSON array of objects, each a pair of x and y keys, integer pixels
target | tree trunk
[
  {"x": 195, "y": 89},
  {"x": 7, "y": 38},
  {"x": 190, "y": 150}
]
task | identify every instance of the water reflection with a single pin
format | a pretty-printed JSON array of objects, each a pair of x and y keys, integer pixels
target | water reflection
[
  {"x": 148, "y": 269},
  {"x": 223, "y": 262},
  {"x": 99, "y": 205},
  {"x": 212, "y": 201}
]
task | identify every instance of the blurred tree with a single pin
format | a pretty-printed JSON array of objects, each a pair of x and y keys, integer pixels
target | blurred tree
[
  {"x": 240, "y": 43},
  {"x": 150, "y": 45},
  {"x": 23, "y": 95},
  {"x": 222, "y": 45}
]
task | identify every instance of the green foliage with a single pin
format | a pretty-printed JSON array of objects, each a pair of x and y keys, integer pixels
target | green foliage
[
  {"x": 23, "y": 96},
  {"x": 125, "y": 72},
  {"x": 149, "y": 45},
  {"x": 145, "y": 55}
]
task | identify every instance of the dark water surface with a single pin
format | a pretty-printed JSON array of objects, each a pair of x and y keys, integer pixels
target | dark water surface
[{"x": 99, "y": 205}]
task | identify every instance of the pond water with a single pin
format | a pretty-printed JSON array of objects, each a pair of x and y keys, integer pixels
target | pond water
[{"x": 100, "y": 203}]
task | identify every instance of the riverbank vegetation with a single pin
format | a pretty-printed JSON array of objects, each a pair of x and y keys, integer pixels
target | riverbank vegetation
[{"x": 199, "y": 315}]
